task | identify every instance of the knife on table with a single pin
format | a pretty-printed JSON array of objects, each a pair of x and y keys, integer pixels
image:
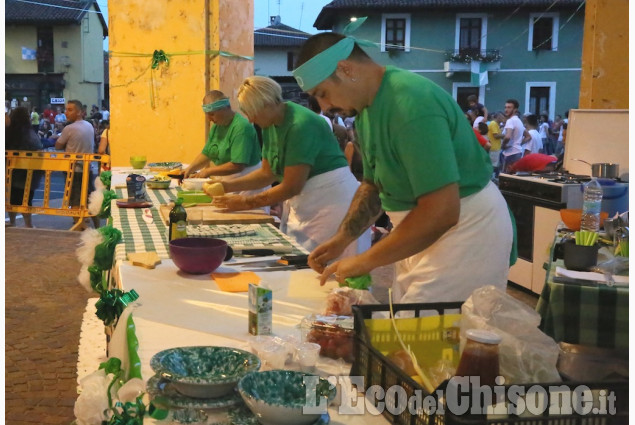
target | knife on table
[{"x": 299, "y": 261}]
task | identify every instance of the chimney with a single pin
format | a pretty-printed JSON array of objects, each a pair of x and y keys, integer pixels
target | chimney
[{"x": 275, "y": 20}]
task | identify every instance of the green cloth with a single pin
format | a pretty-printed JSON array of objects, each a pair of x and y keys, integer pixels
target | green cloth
[
  {"x": 415, "y": 139},
  {"x": 303, "y": 138},
  {"x": 236, "y": 142},
  {"x": 579, "y": 313}
]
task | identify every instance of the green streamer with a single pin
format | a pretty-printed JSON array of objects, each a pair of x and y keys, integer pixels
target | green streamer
[{"x": 133, "y": 347}]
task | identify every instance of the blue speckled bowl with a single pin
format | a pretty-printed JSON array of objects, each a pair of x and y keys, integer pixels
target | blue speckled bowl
[
  {"x": 278, "y": 397},
  {"x": 204, "y": 372}
]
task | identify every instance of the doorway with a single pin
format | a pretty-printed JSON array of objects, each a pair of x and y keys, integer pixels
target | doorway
[{"x": 463, "y": 92}]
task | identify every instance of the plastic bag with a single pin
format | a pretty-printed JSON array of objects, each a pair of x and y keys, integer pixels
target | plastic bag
[
  {"x": 527, "y": 355},
  {"x": 341, "y": 300}
]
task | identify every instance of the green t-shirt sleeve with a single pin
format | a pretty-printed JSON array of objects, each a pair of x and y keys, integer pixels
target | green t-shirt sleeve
[{"x": 426, "y": 152}]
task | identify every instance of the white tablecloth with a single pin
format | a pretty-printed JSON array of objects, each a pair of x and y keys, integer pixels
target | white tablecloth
[{"x": 176, "y": 309}]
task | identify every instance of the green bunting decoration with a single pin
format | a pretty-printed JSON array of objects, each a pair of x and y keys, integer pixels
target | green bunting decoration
[
  {"x": 105, "y": 252},
  {"x": 112, "y": 303},
  {"x": 106, "y": 178}
]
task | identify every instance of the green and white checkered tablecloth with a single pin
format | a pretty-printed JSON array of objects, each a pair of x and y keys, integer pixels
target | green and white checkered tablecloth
[
  {"x": 139, "y": 236},
  {"x": 587, "y": 314}
]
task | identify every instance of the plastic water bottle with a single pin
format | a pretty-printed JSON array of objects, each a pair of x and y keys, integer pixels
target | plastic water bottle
[{"x": 591, "y": 206}]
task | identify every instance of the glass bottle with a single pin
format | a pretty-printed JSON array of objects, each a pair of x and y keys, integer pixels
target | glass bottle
[
  {"x": 480, "y": 356},
  {"x": 178, "y": 221}
]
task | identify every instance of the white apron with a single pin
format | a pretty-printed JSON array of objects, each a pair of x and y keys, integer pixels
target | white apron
[
  {"x": 315, "y": 214},
  {"x": 471, "y": 254}
]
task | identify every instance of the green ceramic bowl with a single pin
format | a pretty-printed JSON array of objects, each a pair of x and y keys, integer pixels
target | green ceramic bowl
[
  {"x": 278, "y": 397},
  {"x": 204, "y": 371}
]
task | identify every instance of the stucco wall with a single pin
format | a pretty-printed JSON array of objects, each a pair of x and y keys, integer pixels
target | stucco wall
[
  {"x": 158, "y": 113},
  {"x": 17, "y": 37}
]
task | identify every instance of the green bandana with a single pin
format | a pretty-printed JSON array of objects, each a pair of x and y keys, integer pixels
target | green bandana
[
  {"x": 215, "y": 106},
  {"x": 321, "y": 66}
]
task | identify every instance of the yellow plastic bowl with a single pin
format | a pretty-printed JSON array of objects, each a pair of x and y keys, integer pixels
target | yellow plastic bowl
[
  {"x": 138, "y": 162},
  {"x": 572, "y": 218}
]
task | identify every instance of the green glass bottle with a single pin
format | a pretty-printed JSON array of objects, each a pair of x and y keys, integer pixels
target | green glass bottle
[{"x": 178, "y": 221}]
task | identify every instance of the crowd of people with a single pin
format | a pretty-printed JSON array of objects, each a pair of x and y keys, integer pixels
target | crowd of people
[
  {"x": 67, "y": 129},
  {"x": 511, "y": 136}
]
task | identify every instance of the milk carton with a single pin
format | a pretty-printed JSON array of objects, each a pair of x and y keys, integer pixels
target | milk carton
[{"x": 260, "y": 310}]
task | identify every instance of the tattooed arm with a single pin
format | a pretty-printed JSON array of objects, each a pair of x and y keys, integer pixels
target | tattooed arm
[
  {"x": 364, "y": 210},
  {"x": 435, "y": 213}
]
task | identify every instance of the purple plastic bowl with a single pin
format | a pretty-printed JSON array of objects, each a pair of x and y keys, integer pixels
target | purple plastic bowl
[{"x": 198, "y": 255}]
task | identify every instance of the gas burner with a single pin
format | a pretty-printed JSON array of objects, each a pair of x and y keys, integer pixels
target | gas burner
[{"x": 563, "y": 177}]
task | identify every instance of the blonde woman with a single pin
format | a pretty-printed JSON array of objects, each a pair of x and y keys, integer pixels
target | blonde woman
[{"x": 301, "y": 153}]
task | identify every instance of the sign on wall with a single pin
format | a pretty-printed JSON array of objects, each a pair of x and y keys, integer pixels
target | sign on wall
[{"x": 58, "y": 101}]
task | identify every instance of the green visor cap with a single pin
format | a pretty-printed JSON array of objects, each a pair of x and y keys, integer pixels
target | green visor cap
[
  {"x": 215, "y": 106},
  {"x": 321, "y": 66}
]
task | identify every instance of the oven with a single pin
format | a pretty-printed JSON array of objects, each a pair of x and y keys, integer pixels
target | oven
[
  {"x": 523, "y": 207},
  {"x": 535, "y": 200}
]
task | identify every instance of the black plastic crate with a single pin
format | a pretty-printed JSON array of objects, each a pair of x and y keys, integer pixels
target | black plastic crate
[{"x": 378, "y": 370}]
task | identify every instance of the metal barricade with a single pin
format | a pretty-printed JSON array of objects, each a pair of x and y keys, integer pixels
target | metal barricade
[{"x": 48, "y": 162}]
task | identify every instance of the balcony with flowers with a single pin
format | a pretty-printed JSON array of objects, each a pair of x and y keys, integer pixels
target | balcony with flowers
[{"x": 460, "y": 60}]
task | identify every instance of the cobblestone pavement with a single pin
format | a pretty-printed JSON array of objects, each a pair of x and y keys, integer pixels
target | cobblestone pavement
[{"x": 44, "y": 304}]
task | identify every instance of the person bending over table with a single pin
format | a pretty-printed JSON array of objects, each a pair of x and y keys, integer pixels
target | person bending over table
[
  {"x": 232, "y": 146},
  {"x": 422, "y": 164},
  {"x": 301, "y": 153}
]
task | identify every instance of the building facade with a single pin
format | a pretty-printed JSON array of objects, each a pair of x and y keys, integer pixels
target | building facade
[
  {"x": 527, "y": 50},
  {"x": 54, "y": 51},
  {"x": 276, "y": 48}
]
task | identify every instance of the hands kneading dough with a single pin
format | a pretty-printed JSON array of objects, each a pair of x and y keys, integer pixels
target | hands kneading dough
[{"x": 214, "y": 189}]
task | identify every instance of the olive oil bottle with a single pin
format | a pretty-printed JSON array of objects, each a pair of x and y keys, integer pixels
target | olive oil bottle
[{"x": 178, "y": 221}]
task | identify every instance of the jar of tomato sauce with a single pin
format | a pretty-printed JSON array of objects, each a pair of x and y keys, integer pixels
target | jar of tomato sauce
[{"x": 480, "y": 356}]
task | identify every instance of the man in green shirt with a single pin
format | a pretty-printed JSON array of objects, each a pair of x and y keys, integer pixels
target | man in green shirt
[
  {"x": 232, "y": 146},
  {"x": 422, "y": 165}
]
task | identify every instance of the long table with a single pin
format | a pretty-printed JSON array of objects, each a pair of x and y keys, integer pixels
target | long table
[
  {"x": 583, "y": 312},
  {"x": 177, "y": 309}
]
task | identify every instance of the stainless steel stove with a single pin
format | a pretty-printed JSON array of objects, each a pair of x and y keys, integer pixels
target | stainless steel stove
[
  {"x": 536, "y": 199},
  {"x": 562, "y": 190}
]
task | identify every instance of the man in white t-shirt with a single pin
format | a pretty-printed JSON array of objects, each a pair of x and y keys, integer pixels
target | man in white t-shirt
[
  {"x": 514, "y": 136},
  {"x": 535, "y": 144}
]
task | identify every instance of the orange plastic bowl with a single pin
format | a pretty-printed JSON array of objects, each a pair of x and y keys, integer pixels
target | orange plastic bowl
[{"x": 572, "y": 218}]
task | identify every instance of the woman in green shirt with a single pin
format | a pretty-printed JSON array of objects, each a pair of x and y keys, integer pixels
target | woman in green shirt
[
  {"x": 301, "y": 153},
  {"x": 422, "y": 165},
  {"x": 232, "y": 145}
]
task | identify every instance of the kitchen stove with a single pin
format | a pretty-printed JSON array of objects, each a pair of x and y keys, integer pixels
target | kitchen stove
[
  {"x": 560, "y": 189},
  {"x": 535, "y": 200}
]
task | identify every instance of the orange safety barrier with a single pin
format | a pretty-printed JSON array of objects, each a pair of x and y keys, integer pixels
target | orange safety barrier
[{"x": 49, "y": 162}]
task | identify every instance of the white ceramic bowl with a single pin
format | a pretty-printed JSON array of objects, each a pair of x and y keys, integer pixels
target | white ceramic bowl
[
  {"x": 278, "y": 397},
  {"x": 204, "y": 371},
  {"x": 194, "y": 184}
]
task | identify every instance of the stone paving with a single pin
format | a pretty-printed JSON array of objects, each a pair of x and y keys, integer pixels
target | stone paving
[{"x": 44, "y": 304}]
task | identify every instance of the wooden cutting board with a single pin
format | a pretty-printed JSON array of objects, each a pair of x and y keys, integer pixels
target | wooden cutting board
[{"x": 212, "y": 215}]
